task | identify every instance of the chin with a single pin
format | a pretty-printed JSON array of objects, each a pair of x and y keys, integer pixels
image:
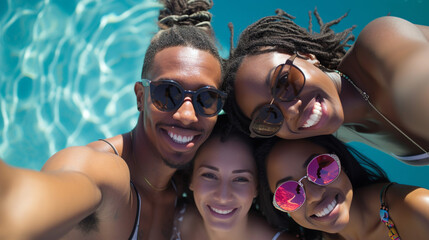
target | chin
[
  {"x": 339, "y": 225},
  {"x": 182, "y": 162}
]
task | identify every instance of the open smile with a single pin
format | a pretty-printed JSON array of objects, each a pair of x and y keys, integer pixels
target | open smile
[
  {"x": 328, "y": 209},
  {"x": 315, "y": 116},
  {"x": 182, "y": 139},
  {"x": 222, "y": 213}
]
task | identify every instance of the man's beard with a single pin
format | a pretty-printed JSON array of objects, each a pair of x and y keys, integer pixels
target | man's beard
[{"x": 177, "y": 166}]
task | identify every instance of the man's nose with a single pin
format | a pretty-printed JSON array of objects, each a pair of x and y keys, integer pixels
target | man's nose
[{"x": 186, "y": 112}]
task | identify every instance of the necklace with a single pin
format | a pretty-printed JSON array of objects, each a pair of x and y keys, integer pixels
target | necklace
[
  {"x": 158, "y": 189},
  {"x": 365, "y": 96}
]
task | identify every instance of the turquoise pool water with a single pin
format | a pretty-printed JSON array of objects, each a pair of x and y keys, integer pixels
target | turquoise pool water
[{"x": 67, "y": 67}]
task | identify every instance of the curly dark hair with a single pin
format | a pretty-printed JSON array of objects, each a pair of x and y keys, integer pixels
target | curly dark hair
[
  {"x": 280, "y": 33},
  {"x": 182, "y": 23},
  {"x": 360, "y": 170}
]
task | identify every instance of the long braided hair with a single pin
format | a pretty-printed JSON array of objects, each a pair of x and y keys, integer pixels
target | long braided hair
[
  {"x": 279, "y": 33},
  {"x": 182, "y": 23}
]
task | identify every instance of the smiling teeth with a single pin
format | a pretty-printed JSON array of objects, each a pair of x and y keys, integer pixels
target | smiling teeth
[
  {"x": 327, "y": 210},
  {"x": 315, "y": 116},
  {"x": 221, "y": 211},
  {"x": 180, "y": 139}
]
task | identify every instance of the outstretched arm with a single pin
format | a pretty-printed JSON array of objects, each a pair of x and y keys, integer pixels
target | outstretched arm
[
  {"x": 70, "y": 187},
  {"x": 395, "y": 53},
  {"x": 43, "y": 204}
]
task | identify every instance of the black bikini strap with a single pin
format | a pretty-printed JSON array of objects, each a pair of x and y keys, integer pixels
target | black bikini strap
[
  {"x": 383, "y": 193},
  {"x": 136, "y": 221},
  {"x": 111, "y": 145}
]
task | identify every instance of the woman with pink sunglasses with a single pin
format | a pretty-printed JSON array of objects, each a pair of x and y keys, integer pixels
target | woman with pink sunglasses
[{"x": 317, "y": 183}]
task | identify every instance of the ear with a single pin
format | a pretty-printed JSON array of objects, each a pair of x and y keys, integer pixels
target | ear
[
  {"x": 139, "y": 91},
  {"x": 191, "y": 185},
  {"x": 310, "y": 58}
]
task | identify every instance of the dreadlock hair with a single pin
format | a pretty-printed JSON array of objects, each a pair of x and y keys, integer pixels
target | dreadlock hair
[
  {"x": 280, "y": 34},
  {"x": 182, "y": 23},
  {"x": 360, "y": 170}
]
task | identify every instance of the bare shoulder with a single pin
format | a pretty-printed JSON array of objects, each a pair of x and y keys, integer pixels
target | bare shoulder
[
  {"x": 262, "y": 230},
  {"x": 87, "y": 160},
  {"x": 409, "y": 209},
  {"x": 415, "y": 199},
  {"x": 385, "y": 43},
  {"x": 108, "y": 171},
  {"x": 391, "y": 30}
]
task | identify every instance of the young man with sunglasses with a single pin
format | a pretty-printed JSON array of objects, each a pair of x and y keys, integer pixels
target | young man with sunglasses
[{"x": 123, "y": 187}]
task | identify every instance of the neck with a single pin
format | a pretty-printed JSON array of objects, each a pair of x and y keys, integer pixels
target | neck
[
  {"x": 363, "y": 224},
  {"x": 354, "y": 106},
  {"x": 147, "y": 167},
  {"x": 238, "y": 232},
  {"x": 369, "y": 106}
]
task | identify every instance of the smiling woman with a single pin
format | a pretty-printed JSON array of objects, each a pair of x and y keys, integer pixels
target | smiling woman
[
  {"x": 223, "y": 185},
  {"x": 284, "y": 80},
  {"x": 322, "y": 186}
]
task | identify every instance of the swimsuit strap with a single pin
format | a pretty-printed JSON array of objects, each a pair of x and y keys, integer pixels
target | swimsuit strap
[
  {"x": 277, "y": 235},
  {"x": 384, "y": 214},
  {"x": 137, "y": 220},
  {"x": 175, "y": 189},
  {"x": 383, "y": 192},
  {"x": 134, "y": 232},
  {"x": 111, "y": 145}
]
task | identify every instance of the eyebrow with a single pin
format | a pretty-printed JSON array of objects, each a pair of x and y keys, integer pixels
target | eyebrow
[
  {"x": 311, "y": 157},
  {"x": 303, "y": 165},
  {"x": 177, "y": 80},
  {"x": 234, "y": 171},
  {"x": 209, "y": 167},
  {"x": 243, "y": 171}
]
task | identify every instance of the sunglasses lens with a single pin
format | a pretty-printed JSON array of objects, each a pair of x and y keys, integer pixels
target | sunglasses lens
[
  {"x": 289, "y": 83},
  {"x": 289, "y": 196},
  {"x": 323, "y": 169},
  {"x": 267, "y": 122},
  {"x": 166, "y": 96},
  {"x": 209, "y": 102}
]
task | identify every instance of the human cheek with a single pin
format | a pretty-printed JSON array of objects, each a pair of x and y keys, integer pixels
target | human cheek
[
  {"x": 209, "y": 123},
  {"x": 299, "y": 217},
  {"x": 245, "y": 192},
  {"x": 202, "y": 190}
]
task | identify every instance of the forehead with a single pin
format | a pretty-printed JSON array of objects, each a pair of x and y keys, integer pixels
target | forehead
[
  {"x": 187, "y": 65},
  {"x": 287, "y": 156},
  {"x": 226, "y": 156},
  {"x": 253, "y": 77}
]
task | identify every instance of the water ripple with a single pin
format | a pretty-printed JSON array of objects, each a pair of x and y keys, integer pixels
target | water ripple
[{"x": 67, "y": 73}]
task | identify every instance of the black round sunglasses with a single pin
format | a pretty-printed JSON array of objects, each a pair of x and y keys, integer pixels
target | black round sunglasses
[{"x": 169, "y": 95}]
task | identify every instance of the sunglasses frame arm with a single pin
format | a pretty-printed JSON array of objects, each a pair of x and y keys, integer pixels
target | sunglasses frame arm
[{"x": 145, "y": 82}]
